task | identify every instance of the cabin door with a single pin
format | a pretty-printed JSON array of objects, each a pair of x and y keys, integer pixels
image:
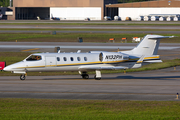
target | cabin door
[{"x": 51, "y": 62}]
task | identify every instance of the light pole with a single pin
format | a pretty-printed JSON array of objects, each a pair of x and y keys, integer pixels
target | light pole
[{"x": 10, "y": 3}]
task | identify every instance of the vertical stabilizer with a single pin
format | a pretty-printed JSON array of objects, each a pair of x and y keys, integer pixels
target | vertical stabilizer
[{"x": 149, "y": 45}]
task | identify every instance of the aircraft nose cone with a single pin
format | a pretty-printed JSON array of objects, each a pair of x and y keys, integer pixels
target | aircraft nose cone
[{"x": 6, "y": 69}]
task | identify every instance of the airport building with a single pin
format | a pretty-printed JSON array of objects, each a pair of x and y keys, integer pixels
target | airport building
[
  {"x": 63, "y": 9},
  {"x": 162, "y": 10}
]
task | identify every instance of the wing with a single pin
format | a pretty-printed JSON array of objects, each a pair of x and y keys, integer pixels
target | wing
[{"x": 101, "y": 67}]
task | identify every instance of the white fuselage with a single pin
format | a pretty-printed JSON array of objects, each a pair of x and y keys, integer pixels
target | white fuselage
[{"x": 71, "y": 62}]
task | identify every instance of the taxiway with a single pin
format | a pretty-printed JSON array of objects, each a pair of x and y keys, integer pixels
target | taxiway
[{"x": 160, "y": 85}]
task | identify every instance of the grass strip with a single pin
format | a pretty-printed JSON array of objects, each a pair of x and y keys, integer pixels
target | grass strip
[
  {"x": 46, "y": 109},
  {"x": 72, "y": 37},
  {"x": 13, "y": 57},
  {"x": 64, "y": 29}
]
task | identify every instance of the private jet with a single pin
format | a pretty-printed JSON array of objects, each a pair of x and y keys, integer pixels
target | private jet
[
  {"x": 54, "y": 18},
  {"x": 144, "y": 53}
]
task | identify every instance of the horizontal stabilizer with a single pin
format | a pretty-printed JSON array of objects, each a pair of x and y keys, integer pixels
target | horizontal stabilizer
[{"x": 160, "y": 37}]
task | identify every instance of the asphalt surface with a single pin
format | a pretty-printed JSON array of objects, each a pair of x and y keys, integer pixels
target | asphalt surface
[
  {"x": 79, "y": 21},
  {"x": 160, "y": 85},
  {"x": 108, "y": 27},
  {"x": 123, "y": 25},
  {"x": 91, "y": 27}
]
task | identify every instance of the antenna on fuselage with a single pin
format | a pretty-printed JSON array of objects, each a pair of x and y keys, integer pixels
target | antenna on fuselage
[
  {"x": 78, "y": 51},
  {"x": 57, "y": 49}
]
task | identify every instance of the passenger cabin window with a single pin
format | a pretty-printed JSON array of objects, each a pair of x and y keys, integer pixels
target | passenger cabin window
[
  {"x": 34, "y": 58},
  {"x": 72, "y": 59},
  {"x": 85, "y": 58},
  {"x": 58, "y": 59},
  {"x": 78, "y": 58},
  {"x": 65, "y": 59}
]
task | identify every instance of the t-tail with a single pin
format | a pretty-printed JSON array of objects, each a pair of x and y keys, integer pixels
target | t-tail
[
  {"x": 146, "y": 51},
  {"x": 149, "y": 45}
]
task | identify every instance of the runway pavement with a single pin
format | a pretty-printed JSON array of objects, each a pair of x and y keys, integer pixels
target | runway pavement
[
  {"x": 98, "y": 21},
  {"x": 155, "y": 28},
  {"x": 167, "y": 27},
  {"x": 90, "y": 46},
  {"x": 162, "y": 85}
]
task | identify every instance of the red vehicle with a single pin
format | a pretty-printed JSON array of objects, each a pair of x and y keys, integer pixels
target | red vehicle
[{"x": 2, "y": 65}]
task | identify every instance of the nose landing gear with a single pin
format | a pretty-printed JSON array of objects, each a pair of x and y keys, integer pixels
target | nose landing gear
[{"x": 23, "y": 77}]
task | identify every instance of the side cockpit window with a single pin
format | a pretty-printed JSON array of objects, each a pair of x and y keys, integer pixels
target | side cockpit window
[
  {"x": 34, "y": 58},
  {"x": 125, "y": 57}
]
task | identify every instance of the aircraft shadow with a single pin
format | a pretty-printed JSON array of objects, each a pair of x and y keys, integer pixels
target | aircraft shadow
[
  {"x": 119, "y": 78},
  {"x": 147, "y": 77}
]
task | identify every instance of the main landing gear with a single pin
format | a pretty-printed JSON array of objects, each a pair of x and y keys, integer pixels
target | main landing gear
[{"x": 86, "y": 76}]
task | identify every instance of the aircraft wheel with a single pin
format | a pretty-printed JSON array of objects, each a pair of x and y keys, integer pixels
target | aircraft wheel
[
  {"x": 22, "y": 77},
  {"x": 97, "y": 78},
  {"x": 86, "y": 76}
]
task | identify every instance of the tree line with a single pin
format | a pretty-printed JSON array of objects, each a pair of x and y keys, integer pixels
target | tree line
[{"x": 5, "y": 3}]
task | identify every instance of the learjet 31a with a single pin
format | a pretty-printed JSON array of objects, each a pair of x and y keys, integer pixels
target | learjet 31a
[{"x": 144, "y": 53}]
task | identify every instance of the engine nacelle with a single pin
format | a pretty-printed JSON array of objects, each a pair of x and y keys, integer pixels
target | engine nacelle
[{"x": 112, "y": 56}]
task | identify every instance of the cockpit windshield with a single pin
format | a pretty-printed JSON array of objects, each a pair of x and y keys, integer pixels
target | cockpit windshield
[{"x": 34, "y": 58}]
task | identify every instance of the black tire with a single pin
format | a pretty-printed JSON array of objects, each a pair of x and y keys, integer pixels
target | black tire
[
  {"x": 85, "y": 76},
  {"x": 22, "y": 77}
]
